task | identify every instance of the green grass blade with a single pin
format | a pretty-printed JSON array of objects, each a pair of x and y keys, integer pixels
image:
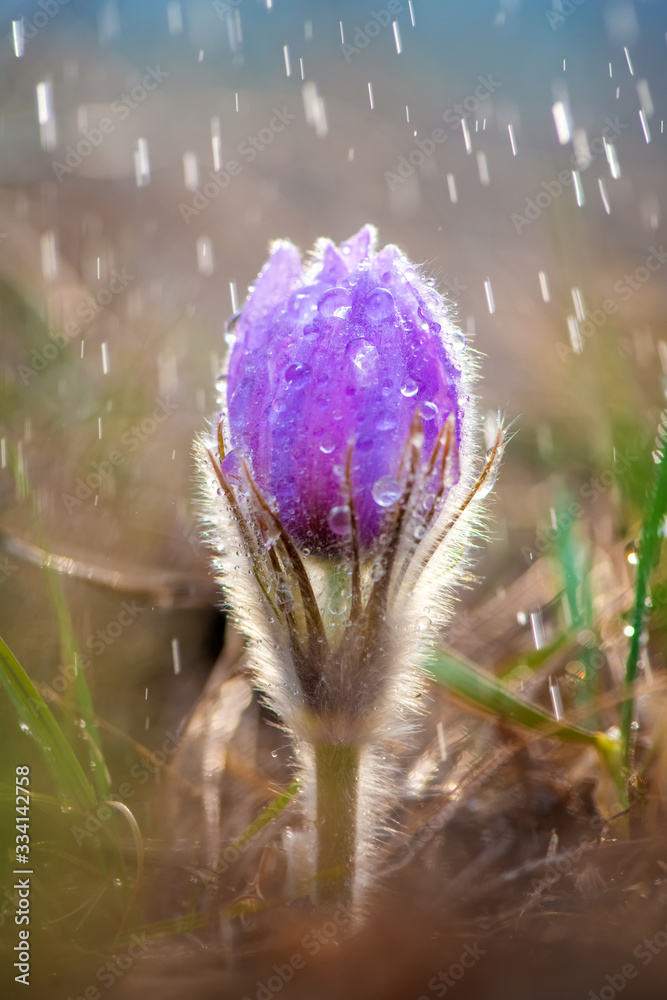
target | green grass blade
[
  {"x": 37, "y": 719},
  {"x": 82, "y": 702},
  {"x": 649, "y": 548},
  {"x": 485, "y": 693},
  {"x": 272, "y": 810}
]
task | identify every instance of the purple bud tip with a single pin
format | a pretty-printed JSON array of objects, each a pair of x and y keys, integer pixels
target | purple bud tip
[{"x": 330, "y": 368}]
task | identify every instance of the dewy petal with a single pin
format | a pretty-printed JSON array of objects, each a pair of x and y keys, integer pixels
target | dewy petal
[
  {"x": 358, "y": 248},
  {"x": 341, "y": 357},
  {"x": 280, "y": 275},
  {"x": 333, "y": 268}
]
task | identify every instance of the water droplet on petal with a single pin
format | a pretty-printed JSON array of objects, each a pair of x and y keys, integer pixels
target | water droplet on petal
[
  {"x": 378, "y": 571},
  {"x": 386, "y": 491},
  {"x": 423, "y": 623},
  {"x": 386, "y": 421},
  {"x": 337, "y": 605},
  {"x": 410, "y": 388},
  {"x": 327, "y": 445},
  {"x": 300, "y": 305},
  {"x": 362, "y": 354},
  {"x": 380, "y": 304},
  {"x": 458, "y": 342},
  {"x": 284, "y": 595},
  {"x": 333, "y": 300},
  {"x": 429, "y": 411},
  {"x": 485, "y": 488},
  {"x": 297, "y": 374},
  {"x": 339, "y": 520}
]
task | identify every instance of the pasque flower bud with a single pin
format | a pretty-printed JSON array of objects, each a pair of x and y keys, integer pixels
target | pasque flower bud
[
  {"x": 343, "y": 487},
  {"x": 341, "y": 358}
]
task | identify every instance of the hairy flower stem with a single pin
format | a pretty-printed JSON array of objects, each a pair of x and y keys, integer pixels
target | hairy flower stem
[{"x": 337, "y": 775}]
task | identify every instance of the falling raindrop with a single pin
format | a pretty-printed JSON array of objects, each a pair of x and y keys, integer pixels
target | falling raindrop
[
  {"x": 604, "y": 195},
  {"x": 556, "y": 700},
  {"x": 561, "y": 113},
  {"x": 314, "y": 109},
  {"x": 575, "y": 335},
  {"x": 174, "y": 19},
  {"x": 466, "y": 136},
  {"x": 544, "y": 288},
  {"x": 142, "y": 169},
  {"x": 190, "y": 171},
  {"x": 49, "y": 255},
  {"x": 205, "y": 263},
  {"x": 45, "y": 116},
  {"x": 578, "y": 188},
  {"x": 512, "y": 139},
  {"x": 537, "y": 629},
  {"x": 176, "y": 656},
  {"x": 488, "y": 291},
  {"x": 18, "y": 38},
  {"x": 612, "y": 159},
  {"x": 483, "y": 168}
]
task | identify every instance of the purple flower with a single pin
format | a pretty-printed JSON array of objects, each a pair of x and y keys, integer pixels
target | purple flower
[{"x": 336, "y": 368}]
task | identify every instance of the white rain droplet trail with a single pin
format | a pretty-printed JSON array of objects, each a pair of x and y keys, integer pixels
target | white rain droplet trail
[
  {"x": 544, "y": 287},
  {"x": 488, "y": 291}
]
